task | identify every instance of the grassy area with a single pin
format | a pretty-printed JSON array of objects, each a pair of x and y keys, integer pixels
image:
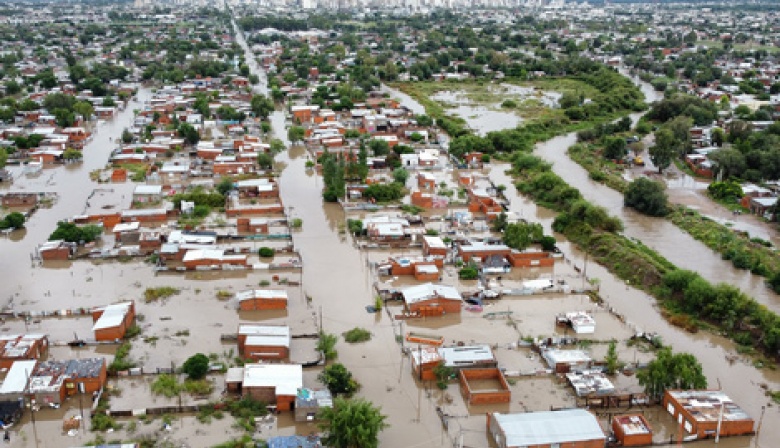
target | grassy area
[
  {"x": 688, "y": 300},
  {"x": 600, "y": 169}
]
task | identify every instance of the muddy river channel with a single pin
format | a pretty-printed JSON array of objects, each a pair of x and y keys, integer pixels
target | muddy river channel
[{"x": 339, "y": 278}]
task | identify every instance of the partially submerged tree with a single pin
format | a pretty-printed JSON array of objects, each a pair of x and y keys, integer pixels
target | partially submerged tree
[
  {"x": 352, "y": 424},
  {"x": 671, "y": 371}
]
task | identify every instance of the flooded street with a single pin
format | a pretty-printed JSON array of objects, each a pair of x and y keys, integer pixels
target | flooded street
[{"x": 339, "y": 280}]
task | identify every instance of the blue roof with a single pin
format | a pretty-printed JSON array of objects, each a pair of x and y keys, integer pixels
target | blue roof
[{"x": 294, "y": 442}]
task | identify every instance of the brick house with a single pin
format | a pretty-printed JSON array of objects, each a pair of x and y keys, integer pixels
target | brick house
[
  {"x": 52, "y": 381},
  {"x": 571, "y": 428},
  {"x": 22, "y": 347},
  {"x": 277, "y": 384},
  {"x": 429, "y": 299},
  {"x": 112, "y": 322},
  {"x": 262, "y": 299},
  {"x": 699, "y": 411},
  {"x": 264, "y": 342}
]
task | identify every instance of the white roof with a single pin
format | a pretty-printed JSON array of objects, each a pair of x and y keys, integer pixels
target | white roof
[
  {"x": 418, "y": 293},
  {"x": 434, "y": 242},
  {"x": 264, "y": 330},
  {"x": 261, "y": 294},
  {"x": 459, "y": 356},
  {"x": 16, "y": 379},
  {"x": 179, "y": 237},
  {"x": 427, "y": 268},
  {"x": 545, "y": 428},
  {"x": 555, "y": 356},
  {"x": 478, "y": 246},
  {"x": 112, "y": 316},
  {"x": 286, "y": 379},
  {"x": 260, "y": 184},
  {"x": 127, "y": 226}
]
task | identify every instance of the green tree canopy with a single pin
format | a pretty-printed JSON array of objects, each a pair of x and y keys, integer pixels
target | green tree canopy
[
  {"x": 671, "y": 371},
  {"x": 664, "y": 150},
  {"x": 196, "y": 366},
  {"x": 338, "y": 380},
  {"x": 352, "y": 424},
  {"x": 647, "y": 197}
]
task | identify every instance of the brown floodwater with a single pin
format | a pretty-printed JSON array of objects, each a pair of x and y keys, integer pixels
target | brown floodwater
[{"x": 339, "y": 280}]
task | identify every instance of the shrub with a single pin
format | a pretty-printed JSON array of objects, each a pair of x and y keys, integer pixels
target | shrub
[
  {"x": 266, "y": 252},
  {"x": 196, "y": 366},
  {"x": 162, "y": 292},
  {"x": 166, "y": 385},
  {"x": 327, "y": 345},
  {"x": 356, "y": 335}
]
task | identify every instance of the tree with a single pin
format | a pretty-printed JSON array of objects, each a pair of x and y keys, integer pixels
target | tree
[
  {"x": 664, "y": 150},
  {"x": 614, "y": 148},
  {"x": 718, "y": 136},
  {"x": 338, "y": 380},
  {"x": 13, "y": 220},
  {"x": 671, "y": 371},
  {"x": 520, "y": 235},
  {"x": 196, "y": 366},
  {"x": 352, "y": 424},
  {"x": 3, "y": 158},
  {"x": 647, "y": 197},
  {"x": 277, "y": 146},
  {"x": 265, "y": 160},
  {"x": 262, "y": 106},
  {"x": 611, "y": 360},
  {"x": 189, "y": 133},
  {"x": 127, "y": 136},
  {"x": 71, "y": 154},
  {"x": 296, "y": 133},
  {"x": 400, "y": 175},
  {"x": 379, "y": 147}
]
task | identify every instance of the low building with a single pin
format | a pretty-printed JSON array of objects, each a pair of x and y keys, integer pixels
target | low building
[
  {"x": 590, "y": 383},
  {"x": 15, "y": 348},
  {"x": 262, "y": 299},
  {"x": 309, "y": 403},
  {"x": 52, "y": 381},
  {"x": 565, "y": 361},
  {"x": 211, "y": 258},
  {"x": 431, "y": 300},
  {"x": 276, "y": 384},
  {"x": 56, "y": 250},
  {"x": 112, "y": 322},
  {"x": 12, "y": 391},
  {"x": 482, "y": 251},
  {"x": 699, "y": 412},
  {"x": 147, "y": 193},
  {"x": 264, "y": 342},
  {"x": 434, "y": 246},
  {"x": 632, "y": 430},
  {"x": 571, "y": 428}
]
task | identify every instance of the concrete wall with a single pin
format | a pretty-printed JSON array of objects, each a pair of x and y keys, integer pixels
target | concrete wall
[{"x": 500, "y": 395}]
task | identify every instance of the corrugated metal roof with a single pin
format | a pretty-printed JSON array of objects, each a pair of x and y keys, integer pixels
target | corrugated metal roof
[
  {"x": 16, "y": 379},
  {"x": 543, "y": 428}
]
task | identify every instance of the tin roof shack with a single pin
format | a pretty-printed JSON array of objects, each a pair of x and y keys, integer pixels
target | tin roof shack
[
  {"x": 22, "y": 347},
  {"x": 262, "y": 299},
  {"x": 309, "y": 402},
  {"x": 264, "y": 342},
  {"x": 431, "y": 300},
  {"x": 52, "y": 381},
  {"x": 700, "y": 410},
  {"x": 484, "y": 386},
  {"x": 632, "y": 430},
  {"x": 257, "y": 188},
  {"x": 565, "y": 361},
  {"x": 147, "y": 194},
  {"x": 571, "y": 428},
  {"x": 590, "y": 382},
  {"x": 112, "y": 322},
  {"x": 272, "y": 383},
  {"x": 310, "y": 441}
]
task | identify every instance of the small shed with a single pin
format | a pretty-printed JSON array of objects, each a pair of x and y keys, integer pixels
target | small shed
[
  {"x": 564, "y": 361},
  {"x": 309, "y": 402},
  {"x": 632, "y": 430}
]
